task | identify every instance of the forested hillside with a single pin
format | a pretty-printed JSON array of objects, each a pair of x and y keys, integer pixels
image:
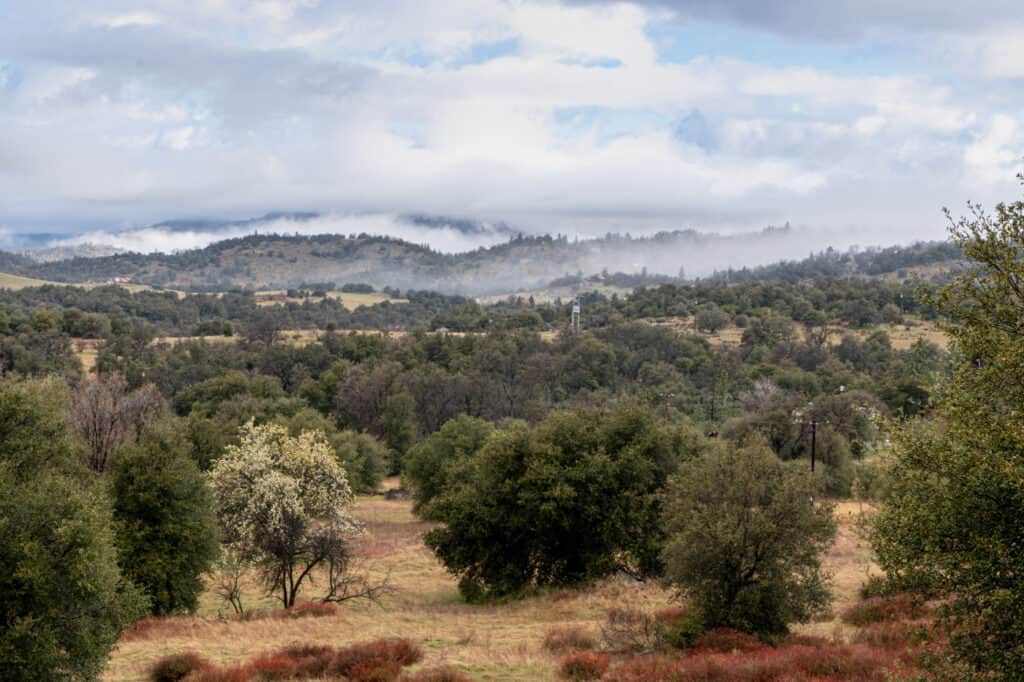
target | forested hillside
[{"x": 522, "y": 264}]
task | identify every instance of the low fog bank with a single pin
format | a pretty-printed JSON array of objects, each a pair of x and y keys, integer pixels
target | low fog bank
[
  {"x": 468, "y": 257},
  {"x": 446, "y": 236}
]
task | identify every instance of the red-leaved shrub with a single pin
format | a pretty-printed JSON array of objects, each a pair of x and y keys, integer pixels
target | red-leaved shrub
[
  {"x": 583, "y": 665},
  {"x": 855, "y": 663},
  {"x": 309, "y": 609},
  {"x": 559, "y": 640},
  {"x": 881, "y": 609},
  {"x": 380, "y": 661},
  {"x": 177, "y": 667},
  {"x": 361, "y": 659},
  {"x": 725, "y": 640}
]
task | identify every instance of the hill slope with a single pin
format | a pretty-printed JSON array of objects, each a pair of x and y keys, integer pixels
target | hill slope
[{"x": 519, "y": 265}]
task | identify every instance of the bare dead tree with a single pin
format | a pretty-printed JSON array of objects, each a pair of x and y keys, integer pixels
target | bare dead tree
[
  {"x": 228, "y": 580},
  {"x": 348, "y": 580},
  {"x": 106, "y": 416}
]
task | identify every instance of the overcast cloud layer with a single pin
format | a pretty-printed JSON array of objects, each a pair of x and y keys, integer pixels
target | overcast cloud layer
[{"x": 577, "y": 117}]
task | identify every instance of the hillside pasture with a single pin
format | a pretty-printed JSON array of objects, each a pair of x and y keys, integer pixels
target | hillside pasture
[
  {"x": 15, "y": 282},
  {"x": 350, "y": 300},
  {"x": 902, "y": 335}
]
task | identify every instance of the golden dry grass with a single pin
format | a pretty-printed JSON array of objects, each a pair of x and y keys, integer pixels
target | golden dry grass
[
  {"x": 8, "y": 281},
  {"x": 902, "y": 335},
  {"x": 493, "y": 642},
  {"x": 850, "y": 563},
  {"x": 350, "y": 300},
  {"x": 87, "y": 351}
]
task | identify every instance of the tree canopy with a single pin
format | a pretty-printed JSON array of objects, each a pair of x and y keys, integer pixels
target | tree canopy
[
  {"x": 745, "y": 539},
  {"x": 558, "y": 504},
  {"x": 281, "y": 503},
  {"x": 63, "y": 599},
  {"x": 955, "y": 517}
]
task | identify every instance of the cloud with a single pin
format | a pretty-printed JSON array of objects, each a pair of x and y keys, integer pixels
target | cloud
[
  {"x": 441, "y": 236},
  {"x": 559, "y": 117},
  {"x": 844, "y": 19}
]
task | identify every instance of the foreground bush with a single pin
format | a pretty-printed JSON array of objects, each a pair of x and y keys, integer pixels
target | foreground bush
[
  {"x": 745, "y": 544},
  {"x": 952, "y": 517},
  {"x": 177, "y": 667},
  {"x": 856, "y": 663},
  {"x": 166, "y": 531},
  {"x": 63, "y": 599},
  {"x": 726, "y": 640},
  {"x": 558, "y": 504},
  {"x": 583, "y": 665},
  {"x": 380, "y": 661},
  {"x": 631, "y": 631}
]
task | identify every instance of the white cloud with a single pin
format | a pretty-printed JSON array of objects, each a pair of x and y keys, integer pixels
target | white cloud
[
  {"x": 445, "y": 238},
  {"x": 223, "y": 107}
]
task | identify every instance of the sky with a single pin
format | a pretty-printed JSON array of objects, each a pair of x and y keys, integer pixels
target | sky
[{"x": 574, "y": 116}]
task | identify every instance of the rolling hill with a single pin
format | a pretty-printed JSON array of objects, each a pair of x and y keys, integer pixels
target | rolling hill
[{"x": 521, "y": 264}]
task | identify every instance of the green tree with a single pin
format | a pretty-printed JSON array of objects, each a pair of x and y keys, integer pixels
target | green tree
[
  {"x": 954, "y": 518},
  {"x": 745, "y": 540},
  {"x": 63, "y": 600},
  {"x": 711, "y": 318},
  {"x": 281, "y": 503},
  {"x": 165, "y": 525},
  {"x": 567, "y": 502},
  {"x": 428, "y": 463}
]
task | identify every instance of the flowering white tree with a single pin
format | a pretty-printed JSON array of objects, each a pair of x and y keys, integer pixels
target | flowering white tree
[{"x": 281, "y": 502}]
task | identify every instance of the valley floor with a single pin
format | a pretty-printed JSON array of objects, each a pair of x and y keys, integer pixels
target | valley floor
[{"x": 499, "y": 642}]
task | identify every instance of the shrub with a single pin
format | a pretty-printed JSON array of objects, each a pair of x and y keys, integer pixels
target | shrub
[
  {"x": 583, "y": 665},
  {"x": 631, "y": 631},
  {"x": 293, "y": 661},
  {"x": 726, "y": 640},
  {"x": 309, "y": 609},
  {"x": 166, "y": 531},
  {"x": 505, "y": 510},
  {"x": 380, "y": 661},
  {"x": 679, "y": 627},
  {"x": 63, "y": 600},
  {"x": 882, "y": 609},
  {"x": 875, "y": 586},
  {"x": 177, "y": 667},
  {"x": 559, "y": 640},
  {"x": 745, "y": 502},
  {"x": 792, "y": 664},
  {"x": 359, "y": 661}
]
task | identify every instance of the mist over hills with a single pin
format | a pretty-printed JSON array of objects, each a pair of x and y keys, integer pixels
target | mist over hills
[{"x": 286, "y": 249}]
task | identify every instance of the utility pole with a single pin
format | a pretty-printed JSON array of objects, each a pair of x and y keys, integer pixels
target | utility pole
[{"x": 814, "y": 441}]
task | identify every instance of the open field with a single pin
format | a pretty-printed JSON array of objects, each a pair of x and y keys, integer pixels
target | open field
[
  {"x": 18, "y": 282},
  {"x": 351, "y": 301},
  {"x": 495, "y": 642},
  {"x": 9, "y": 281},
  {"x": 902, "y": 335}
]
